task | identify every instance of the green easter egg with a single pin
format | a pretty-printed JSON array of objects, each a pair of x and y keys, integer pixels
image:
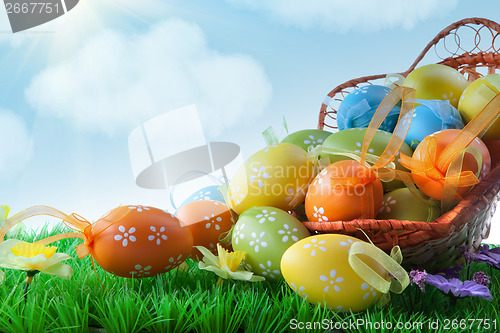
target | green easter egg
[
  {"x": 307, "y": 139},
  {"x": 351, "y": 139},
  {"x": 265, "y": 233},
  {"x": 402, "y": 204}
]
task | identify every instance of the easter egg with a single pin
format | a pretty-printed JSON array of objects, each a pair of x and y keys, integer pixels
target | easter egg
[
  {"x": 402, "y": 204},
  {"x": 427, "y": 182},
  {"x": 139, "y": 241},
  {"x": 307, "y": 139},
  {"x": 317, "y": 268},
  {"x": 477, "y": 95},
  {"x": 359, "y": 106},
  {"x": 437, "y": 81},
  {"x": 264, "y": 233},
  {"x": 351, "y": 140},
  {"x": 324, "y": 203},
  {"x": 276, "y": 176},
  {"x": 207, "y": 220},
  {"x": 206, "y": 193},
  {"x": 431, "y": 117}
]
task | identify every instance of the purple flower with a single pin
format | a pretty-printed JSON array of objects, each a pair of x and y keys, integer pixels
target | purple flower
[
  {"x": 450, "y": 272},
  {"x": 419, "y": 278},
  {"x": 481, "y": 278},
  {"x": 458, "y": 288},
  {"x": 469, "y": 256},
  {"x": 491, "y": 257}
]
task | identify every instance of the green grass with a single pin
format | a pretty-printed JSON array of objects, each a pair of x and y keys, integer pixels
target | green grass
[{"x": 190, "y": 301}]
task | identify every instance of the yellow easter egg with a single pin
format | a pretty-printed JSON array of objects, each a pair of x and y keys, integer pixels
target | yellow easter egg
[
  {"x": 276, "y": 176},
  {"x": 317, "y": 268},
  {"x": 477, "y": 95},
  {"x": 437, "y": 82}
]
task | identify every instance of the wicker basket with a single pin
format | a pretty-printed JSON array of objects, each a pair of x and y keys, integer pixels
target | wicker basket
[{"x": 434, "y": 244}]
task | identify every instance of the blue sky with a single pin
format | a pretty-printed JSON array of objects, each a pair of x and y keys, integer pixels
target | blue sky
[{"x": 75, "y": 88}]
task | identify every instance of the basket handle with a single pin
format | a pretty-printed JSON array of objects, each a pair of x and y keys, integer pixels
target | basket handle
[{"x": 446, "y": 31}]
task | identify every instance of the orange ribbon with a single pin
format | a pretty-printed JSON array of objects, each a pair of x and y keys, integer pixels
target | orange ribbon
[
  {"x": 447, "y": 168},
  {"x": 379, "y": 170}
]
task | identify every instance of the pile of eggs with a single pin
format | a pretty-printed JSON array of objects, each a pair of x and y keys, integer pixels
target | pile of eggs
[{"x": 286, "y": 183}]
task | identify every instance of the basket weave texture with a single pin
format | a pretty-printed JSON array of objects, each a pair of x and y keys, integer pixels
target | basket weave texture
[{"x": 434, "y": 244}]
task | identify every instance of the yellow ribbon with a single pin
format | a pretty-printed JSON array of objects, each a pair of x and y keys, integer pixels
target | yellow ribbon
[{"x": 84, "y": 229}]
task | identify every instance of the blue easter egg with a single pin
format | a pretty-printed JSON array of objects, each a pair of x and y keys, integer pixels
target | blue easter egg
[
  {"x": 359, "y": 106},
  {"x": 424, "y": 122},
  {"x": 206, "y": 193},
  {"x": 432, "y": 116}
]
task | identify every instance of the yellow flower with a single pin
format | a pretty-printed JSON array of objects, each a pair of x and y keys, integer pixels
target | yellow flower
[
  {"x": 226, "y": 264},
  {"x": 15, "y": 254}
]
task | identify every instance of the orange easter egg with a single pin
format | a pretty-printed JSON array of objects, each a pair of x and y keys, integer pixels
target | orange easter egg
[
  {"x": 207, "y": 220},
  {"x": 139, "y": 241},
  {"x": 341, "y": 203},
  {"x": 428, "y": 182}
]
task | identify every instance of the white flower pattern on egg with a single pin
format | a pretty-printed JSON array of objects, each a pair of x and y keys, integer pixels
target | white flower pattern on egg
[
  {"x": 174, "y": 262},
  {"x": 236, "y": 196},
  {"x": 266, "y": 215},
  {"x": 238, "y": 234},
  {"x": 267, "y": 270},
  {"x": 140, "y": 271},
  {"x": 300, "y": 290},
  {"x": 331, "y": 281},
  {"x": 386, "y": 205},
  {"x": 269, "y": 147},
  {"x": 260, "y": 174},
  {"x": 312, "y": 142},
  {"x": 202, "y": 196},
  {"x": 365, "y": 286},
  {"x": 315, "y": 245},
  {"x": 291, "y": 194},
  {"x": 348, "y": 243},
  {"x": 213, "y": 220},
  {"x": 256, "y": 241},
  {"x": 139, "y": 208},
  {"x": 158, "y": 235},
  {"x": 318, "y": 213},
  {"x": 288, "y": 233},
  {"x": 126, "y": 236}
]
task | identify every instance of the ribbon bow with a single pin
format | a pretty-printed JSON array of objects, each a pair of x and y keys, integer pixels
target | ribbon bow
[{"x": 379, "y": 169}]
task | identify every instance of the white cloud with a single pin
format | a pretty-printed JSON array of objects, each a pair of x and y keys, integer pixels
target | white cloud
[
  {"x": 16, "y": 144},
  {"x": 344, "y": 15},
  {"x": 116, "y": 81}
]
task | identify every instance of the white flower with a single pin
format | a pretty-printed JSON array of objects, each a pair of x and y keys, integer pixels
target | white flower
[
  {"x": 256, "y": 241},
  {"x": 238, "y": 234},
  {"x": 386, "y": 203},
  {"x": 269, "y": 147},
  {"x": 291, "y": 194},
  {"x": 349, "y": 242},
  {"x": 126, "y": 235},
  {"x": 266, "y": 215},
  {"x": 259, "y": 173},
  {"x": 267, "y": 270},
  {"x": 158, "y": 235},
  {"x": 139, "y": 208},
  {"x": 288, "y": 233},
  {"x": 318, "y": 213},
  {"x": 15, "y": 254},
  {"x": 331, "y": 281},
  {"x": 315, "y": 245},
  {"x": 213, "y": 220},
  {"x": 312, "y": 142},
  {"x": 300, "y": 290},
  {"x": 365, "y": 286},
  {"x": 140, "y": 271},
  {"x": 202, "y": 195},
  {"x": 174, "y": 262},
  {"x": 236, "y": 196}
]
